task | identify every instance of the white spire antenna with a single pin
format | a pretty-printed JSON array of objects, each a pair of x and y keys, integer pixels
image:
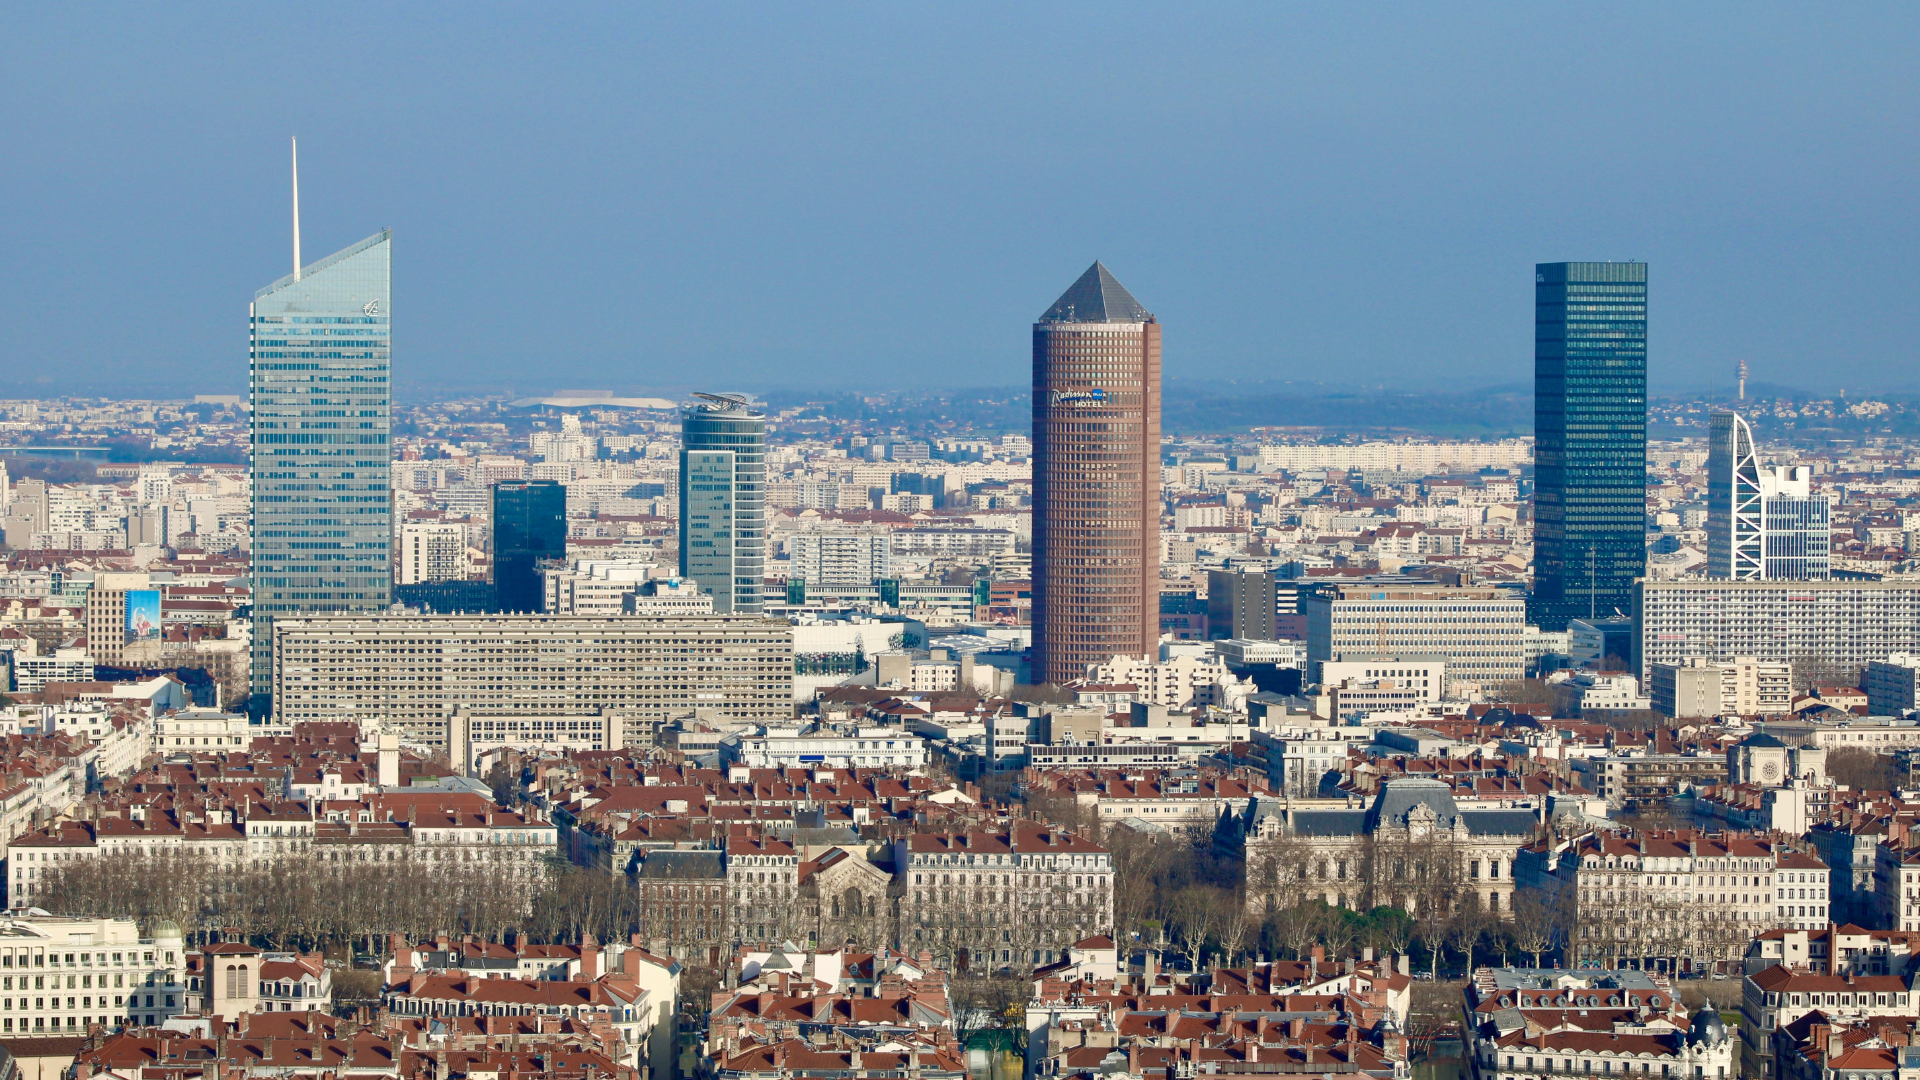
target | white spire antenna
[{"x": 296, "y": 209}]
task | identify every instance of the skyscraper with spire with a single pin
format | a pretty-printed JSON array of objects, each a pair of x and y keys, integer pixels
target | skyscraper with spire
[
  {"x": 320, "y": 386},
  {"x": 1096, "y": 479}
]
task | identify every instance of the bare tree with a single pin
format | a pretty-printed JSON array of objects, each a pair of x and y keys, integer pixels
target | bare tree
[
  {"x": 1140, "y": 861},
  {"x": 1811, "y": 672},
  {"x": 1532, "y": 926},
  {"x": 1463, "y": 930},
  {"x": 1236, "y": 925},
  {"x": 1863, "y": 770},
  {"x": 986, "y": 1003},
  {"x": 1305, "y": 924},
  {"x": 1061, "y": 809},
  {"x": 1522, "y": 692},
  {"x": 1195, "y": 912},
  {"x": 313, "y": 900}
]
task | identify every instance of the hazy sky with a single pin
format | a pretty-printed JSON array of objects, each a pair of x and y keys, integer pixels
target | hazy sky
[{"x": 765, "y": 195}]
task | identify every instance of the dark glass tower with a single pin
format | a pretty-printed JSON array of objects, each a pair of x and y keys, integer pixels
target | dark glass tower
[
  {"x": 529, "y": 528},
  {"x": 1590, "y": 439},
  {"x": 1096, "y": 479}
]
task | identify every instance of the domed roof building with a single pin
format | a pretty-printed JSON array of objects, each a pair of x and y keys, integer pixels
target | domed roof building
[{"x": 1707, "y": 1029}]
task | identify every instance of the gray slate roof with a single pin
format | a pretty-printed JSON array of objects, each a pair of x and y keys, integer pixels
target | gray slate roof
[
  {"x": 1330, "y": 822},
  {"x": 1397, "y": 799},
  {"x": 669, "y": 863},
  {"x": 1096, "y": 297},
  {"x": 1498, "y": 822}
]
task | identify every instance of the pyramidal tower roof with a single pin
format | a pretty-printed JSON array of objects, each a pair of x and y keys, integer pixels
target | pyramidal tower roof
[{"x": 1096, "y": 297}]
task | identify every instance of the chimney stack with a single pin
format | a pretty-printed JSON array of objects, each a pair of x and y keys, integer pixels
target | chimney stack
[{"x": 389, "y": 759}]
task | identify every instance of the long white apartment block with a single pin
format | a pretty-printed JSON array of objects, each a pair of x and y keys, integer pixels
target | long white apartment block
[
  {"x": 416, "y": 671},
  {"x": 793, "y": 747},
  {"x": 1846, "y": 624},
  {"x": 1396, "y": 456}
]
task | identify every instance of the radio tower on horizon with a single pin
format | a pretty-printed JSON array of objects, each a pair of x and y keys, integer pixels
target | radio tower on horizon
[{"x": 1743, "y": 380}]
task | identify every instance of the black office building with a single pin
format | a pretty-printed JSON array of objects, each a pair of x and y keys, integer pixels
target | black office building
[
  {"x": 1590, "y": 439},
  {"x": 1242, "y": 603},
  {"x": 529, "y": 531}
]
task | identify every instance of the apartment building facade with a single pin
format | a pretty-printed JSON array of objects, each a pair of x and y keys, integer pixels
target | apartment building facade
[
  {"x": 1744, "y": 686},
  {"x": 68, "y": 974},
  {"x": 415, "y": 671},
  {"x": 1673, "y": 900},
  {"x": 1481, "y": 632},
  {"x": 1839, "y": 624}
]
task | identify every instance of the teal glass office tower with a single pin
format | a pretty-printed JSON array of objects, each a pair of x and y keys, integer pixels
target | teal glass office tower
[
  {"x": 723, "y": 517},
  {"x": 322, "y": 400},
  {"x": 1590, "y": 439}
]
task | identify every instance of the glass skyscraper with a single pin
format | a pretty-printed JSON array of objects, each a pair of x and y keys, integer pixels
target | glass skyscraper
[
  {"x": 1764, "y": 522},
  {"x": 723, "y": 517},
  {"x": 322, "y": 408},
  {"x": 529, "y": 526},
  {"x": 1590, "y": 439}
]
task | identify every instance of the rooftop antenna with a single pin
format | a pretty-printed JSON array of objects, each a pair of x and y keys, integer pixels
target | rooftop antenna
[{"x": 296, "y": 209}]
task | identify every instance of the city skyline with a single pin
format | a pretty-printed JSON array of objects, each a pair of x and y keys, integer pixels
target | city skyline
[
  {"x": 754, "y": 695},
  {"x": 743, "y": 159}
]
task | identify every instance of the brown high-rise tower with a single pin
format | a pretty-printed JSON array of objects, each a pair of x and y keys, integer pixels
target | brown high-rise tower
[{"x": 1096, "y": 479}]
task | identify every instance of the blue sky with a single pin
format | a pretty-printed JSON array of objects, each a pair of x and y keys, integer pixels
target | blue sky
[{"x": 767, "y": 195}]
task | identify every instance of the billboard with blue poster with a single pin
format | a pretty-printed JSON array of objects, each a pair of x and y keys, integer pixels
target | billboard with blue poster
[{"x": 143, "y": 615}]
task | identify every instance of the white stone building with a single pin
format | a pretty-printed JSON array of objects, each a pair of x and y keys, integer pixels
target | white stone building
[
  {"x": 1177, "y": 682},
  {"x": 1529, "y": 1024},
  {"x": 431, "y": 551},
  {"x": 840, "y": 557},
  {"x": 847, "y": 747},
  {"x": 104, "y": 973}
]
